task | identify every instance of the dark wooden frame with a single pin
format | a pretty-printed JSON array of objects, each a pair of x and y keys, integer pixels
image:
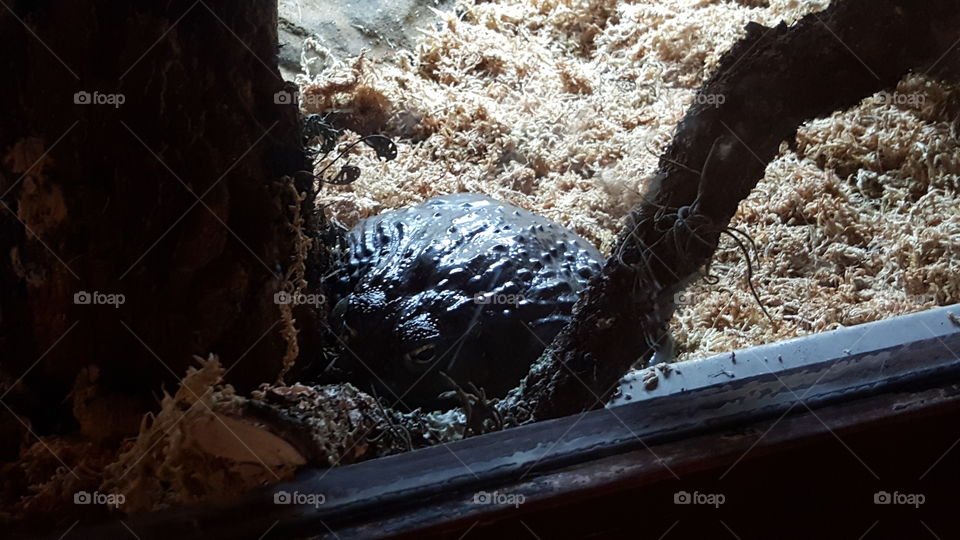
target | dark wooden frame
[{"x": 856, "y": 377}]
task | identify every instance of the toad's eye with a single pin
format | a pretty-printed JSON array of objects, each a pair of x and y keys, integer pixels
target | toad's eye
[{"x": 419, "y": 359}]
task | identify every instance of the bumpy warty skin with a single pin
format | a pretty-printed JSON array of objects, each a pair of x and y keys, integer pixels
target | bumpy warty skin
[{"x": 462, "y": 284}]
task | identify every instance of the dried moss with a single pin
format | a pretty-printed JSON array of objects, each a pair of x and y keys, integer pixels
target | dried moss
[
  {"x": 861, "y": 223},
  {"x": 179, "y": 458}
]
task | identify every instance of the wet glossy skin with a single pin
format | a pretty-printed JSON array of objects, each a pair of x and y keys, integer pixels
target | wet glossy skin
[{"x": 462, "y": 284}]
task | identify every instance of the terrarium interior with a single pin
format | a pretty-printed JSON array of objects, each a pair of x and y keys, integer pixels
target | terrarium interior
[
  {"x": 565, "y": 112},
  {"x": 396, "y": 223}
]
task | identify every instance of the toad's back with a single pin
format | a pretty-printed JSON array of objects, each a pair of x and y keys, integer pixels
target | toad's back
[{"x": 462, "y": 284}]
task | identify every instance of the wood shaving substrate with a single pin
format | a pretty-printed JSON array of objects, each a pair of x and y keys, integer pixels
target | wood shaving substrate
[{"x": 562, "y": 107}]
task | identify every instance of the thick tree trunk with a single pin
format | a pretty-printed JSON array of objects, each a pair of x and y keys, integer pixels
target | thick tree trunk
[{"x": 144, "y": 155}]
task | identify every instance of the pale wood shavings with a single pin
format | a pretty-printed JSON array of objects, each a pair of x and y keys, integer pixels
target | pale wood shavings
[
  {"x": 560, "y": 107},
  {"x": 861, "y": 225}
]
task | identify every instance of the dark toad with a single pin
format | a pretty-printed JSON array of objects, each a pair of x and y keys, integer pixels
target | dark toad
[{"x": 462, "y": 284}]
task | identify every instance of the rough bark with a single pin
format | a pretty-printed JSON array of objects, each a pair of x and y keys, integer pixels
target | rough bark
[
  {"x": 175, "y": 198},
  {"x": 772, "y": 80}
]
